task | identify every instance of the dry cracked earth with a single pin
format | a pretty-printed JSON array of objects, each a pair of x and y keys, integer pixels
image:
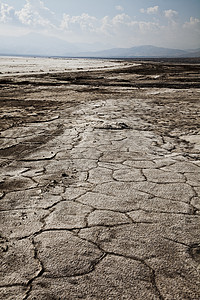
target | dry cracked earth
[{"x": 100, "y": 184}]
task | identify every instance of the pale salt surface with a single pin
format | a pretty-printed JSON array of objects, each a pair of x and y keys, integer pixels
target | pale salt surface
[
  {"x": 34, "y": 65},
  {"x": 193, "y": 139}
]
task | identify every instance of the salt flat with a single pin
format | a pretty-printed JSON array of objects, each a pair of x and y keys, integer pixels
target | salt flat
[
  {"x": 35, "y": 65},
  {"x": 100, "y": 183}
]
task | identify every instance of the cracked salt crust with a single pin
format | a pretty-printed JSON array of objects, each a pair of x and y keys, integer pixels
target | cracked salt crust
[{"x": 91, "y": 208}]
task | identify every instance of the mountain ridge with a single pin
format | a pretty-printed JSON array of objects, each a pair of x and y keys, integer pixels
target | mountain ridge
[
  {"x": 40, "y": 45},
  {"x": 144, "y": 51}
]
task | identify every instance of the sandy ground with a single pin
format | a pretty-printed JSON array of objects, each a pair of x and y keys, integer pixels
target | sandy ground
[{"x": 100, "y": 183}]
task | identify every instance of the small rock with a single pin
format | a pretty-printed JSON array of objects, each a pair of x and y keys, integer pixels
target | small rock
[
  {"x": 168, "y": 146},
  {"x": 196, "y": 202}
]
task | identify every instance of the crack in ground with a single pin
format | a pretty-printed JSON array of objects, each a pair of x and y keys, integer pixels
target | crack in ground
[
  {"x": 153, "y": 281},
  {"x": 142, "y": 191},
  {"x": 94, "y": 264},
  {"x": 40, "y": 272},
  {"x": 13, "y": 285},
  {"x": 175, "y": 241},
  {"x": 38, "y": 159}
]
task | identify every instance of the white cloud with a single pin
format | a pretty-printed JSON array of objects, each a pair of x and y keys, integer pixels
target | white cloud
[
  {"x": 169, "y": 14},
  {"x": 193, "y": 23},
  {"x": 121, "y": 30},
  {"x": 119, "y": 7},
  {"x": 150, "y": 10},
  {"x": 121, "y": 19},
  {"x": 6, "y": 13},
  {"x": 35, "y": 14},
  {"x": 191, "y": 31},
  {"x": 83, "y": 22}
]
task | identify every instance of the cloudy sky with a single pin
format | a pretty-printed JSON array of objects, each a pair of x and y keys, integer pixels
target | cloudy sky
[{"x": 116, "y": 23}]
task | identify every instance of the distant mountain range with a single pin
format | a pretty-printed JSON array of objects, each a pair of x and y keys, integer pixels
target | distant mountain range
[
  {"x": 36, "y": 44},
  {"x": 40, "y": 45},
  {"x": 144, "y": 51}
]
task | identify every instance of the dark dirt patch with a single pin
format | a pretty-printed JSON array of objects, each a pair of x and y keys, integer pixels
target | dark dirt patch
[{"x": 165, "y": 113}]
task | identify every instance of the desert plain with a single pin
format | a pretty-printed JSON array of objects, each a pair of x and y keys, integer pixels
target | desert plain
[{"x": 100, "y": 180}]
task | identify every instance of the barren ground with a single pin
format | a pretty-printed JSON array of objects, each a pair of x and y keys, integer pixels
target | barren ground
[{"x": 100, "y": 183}]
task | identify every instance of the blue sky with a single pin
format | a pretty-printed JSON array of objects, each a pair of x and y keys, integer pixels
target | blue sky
[
  {"x": 186, "y": 8},
  {"x": 114, "y": 23}
]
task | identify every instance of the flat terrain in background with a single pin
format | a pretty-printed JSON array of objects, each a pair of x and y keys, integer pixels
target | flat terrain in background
[{"x": 100, "y": 179}]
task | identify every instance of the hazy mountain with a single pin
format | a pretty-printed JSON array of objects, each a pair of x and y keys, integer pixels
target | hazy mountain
[
  {"x": 38, "y": 44},
  {"x": 143, "y": 51},
  {"x": 194, "y": 53},
  {"x": 93, "y": 47},
  {"x": 193, "y": 50}
]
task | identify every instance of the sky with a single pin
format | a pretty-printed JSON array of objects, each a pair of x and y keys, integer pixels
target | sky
[{"x": 111, "y": 23}]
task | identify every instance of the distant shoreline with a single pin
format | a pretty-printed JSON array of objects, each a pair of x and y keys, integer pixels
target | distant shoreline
[{"x": 194, "y": 60}]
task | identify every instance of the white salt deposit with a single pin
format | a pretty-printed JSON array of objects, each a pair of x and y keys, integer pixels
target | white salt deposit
[{"x": 34, "y": 65}]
